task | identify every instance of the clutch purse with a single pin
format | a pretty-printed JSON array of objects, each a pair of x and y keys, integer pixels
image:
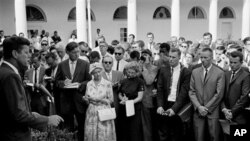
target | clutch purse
[{"x": 107, "y": 114}]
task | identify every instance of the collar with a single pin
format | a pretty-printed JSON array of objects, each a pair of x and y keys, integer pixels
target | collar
[
  {"x": 12, "y": 67},
  {"x": 74, "y": 62},
  {"x": 237, "y": 71},
  {"x": 177, "y": 67},
  {"x": 207, "y": 68}
]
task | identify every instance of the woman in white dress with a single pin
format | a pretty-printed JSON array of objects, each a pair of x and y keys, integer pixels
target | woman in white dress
[{"x": 99, "y": 94}]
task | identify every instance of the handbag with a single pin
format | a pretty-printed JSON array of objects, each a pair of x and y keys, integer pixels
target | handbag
[{"x": 106, "y": 114}]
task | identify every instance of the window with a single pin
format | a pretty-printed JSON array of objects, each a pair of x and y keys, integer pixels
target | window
[
  {"x": 120, "y": 13},
  {"x": 161, "y": 13},
  {"x": 35, "y": 13},
  {"x": 72, "y": 15},
  {"x": 226, "y": 12},
  {"x": 196, "y": 13},
  {"x": 123, "y": 34}
]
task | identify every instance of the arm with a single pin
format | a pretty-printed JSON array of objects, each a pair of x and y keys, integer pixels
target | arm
[
  {"x": 139, "y": 97},
  {"x": 242, "y": 101},
  {"x": 160, "y": 89},
  {"x": 18, "y": 105},
  {"x": 216, "y": 99},
  {"x": 182, "y": 97},
  {"x": 59, "y": 78},
  {"x": 192, "y": 92},
  {"x": 82, "y": 87}
]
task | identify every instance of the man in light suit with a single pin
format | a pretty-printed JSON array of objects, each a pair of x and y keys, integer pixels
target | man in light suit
[
  {"x": 73, "y": 70},
  {"x": 206, "y": 92},
  {"x": 18, "y": 119}
]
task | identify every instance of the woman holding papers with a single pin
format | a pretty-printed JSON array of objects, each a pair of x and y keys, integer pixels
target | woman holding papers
[
  {"x": 99, "y": 95},
  {"x": 130, "y": 95}
]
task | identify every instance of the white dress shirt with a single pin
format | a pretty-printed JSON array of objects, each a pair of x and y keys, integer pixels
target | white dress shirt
[
  {"x": 122, "y": 64},
  {"x": 175, "y": 78}
]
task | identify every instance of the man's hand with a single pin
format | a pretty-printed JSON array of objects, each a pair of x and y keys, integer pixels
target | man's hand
[
  {"x": 67, "y": 81},
  {"x": 203, "y": 111},
  {"x": 228, "y": 114},
  {"x": 170, "y": 112},
  {"x": 54, "y": 120},
  {"x": 160, "y": 110}
]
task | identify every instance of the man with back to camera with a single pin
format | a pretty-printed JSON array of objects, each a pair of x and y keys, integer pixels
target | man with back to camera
[{"x": 18, "y": 118}]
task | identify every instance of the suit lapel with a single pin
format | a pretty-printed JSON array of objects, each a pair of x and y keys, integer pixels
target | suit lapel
[
  {"x": 67, "y": 70},
  {"x": 77, "y": 69},
  {"x": 235, "y": 77},
  {"x": 104, "y": 75},
  {"x": 202, "y": 75}
]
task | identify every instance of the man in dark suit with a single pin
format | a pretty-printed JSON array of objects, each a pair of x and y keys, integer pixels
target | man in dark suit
[
  {"x": 115, "y": 77},
  {"x": 18, "y": 119},
  {"x": 35, "y": 76},
  {"x": 173, "y": 86},
  {"x": 73, "y": 70},
  {"x": 206, "y": 92},
  {"x": 237, "y": 87}
]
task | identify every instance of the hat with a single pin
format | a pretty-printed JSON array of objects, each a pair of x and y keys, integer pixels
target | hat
[{"x": 94, "y": 66}]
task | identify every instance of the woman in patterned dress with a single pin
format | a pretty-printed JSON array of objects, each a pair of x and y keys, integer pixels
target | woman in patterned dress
[{"x": 99, "y": 94}]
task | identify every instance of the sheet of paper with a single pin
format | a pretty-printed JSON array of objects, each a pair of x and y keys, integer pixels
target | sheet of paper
[
  {"x": 72, "y": 86},
  {"x": 30, "y": 84},
  {"x": 130, "y": 108}
]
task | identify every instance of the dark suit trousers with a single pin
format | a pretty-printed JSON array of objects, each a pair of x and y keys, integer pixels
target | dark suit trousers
[
  {"x": 170, "y": 128},
  {"x": 203, "y": 125}
]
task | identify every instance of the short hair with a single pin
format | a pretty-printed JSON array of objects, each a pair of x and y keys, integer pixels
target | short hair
[
  {"x": 235, "y": 54},
  {"x": 150, "y": 33},
  {"x": 107, "y": 56},
  {"x": 132, "y": 35},
  {"x": 36, "y": 55},
  {"x": 119, "y": 47},
  {"x": 166, "y": 46},
  {"x": 104, "y": 43},
  {"x": 147, "y": 51},
  {"x": 115, "y": 42},
  {"x": 182, "y": 38},
  {"x": 50, "y": 55},
  {"x": 94, "y": 54},
  {"x": 207, "y": 34},
  {"x": 207, "y": 49},
  {"x": 52, "y": 48},
  {"x": 135, "y": 54},
  {"x": 134, "y": 66},
  {"x": 110, "y": 49},
  {"x": 71, "y": 46},
  {"x": 13, "y": 43},
  {"x": 55, "y": 31},
  {"x": 176, "y": 50},
  {"x": 140, "y": 43},
  {"x": 245, "y": 40},
  {"x": 237, "y": 47},
  {"x": 83, "y": 44},
  {"x": 222, "y": 48}
]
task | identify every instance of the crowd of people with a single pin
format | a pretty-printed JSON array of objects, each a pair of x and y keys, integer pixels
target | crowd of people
[{"x": 179, "y": 89}]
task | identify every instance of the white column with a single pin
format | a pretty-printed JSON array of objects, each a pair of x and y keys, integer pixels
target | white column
[
  {"x": 175, "y": 18},
  {"x": 20, "y": 17},
  {"x": 245, "y": 19},
  {"x": 212, "y": 27},
  {"x": 81, "y": 22},
  {"x": 132, "y": 21},
  {"x": 89, "y": 25}
]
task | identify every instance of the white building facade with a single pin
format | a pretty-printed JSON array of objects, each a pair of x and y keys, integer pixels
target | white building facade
[{"x": 118, "y": 18}]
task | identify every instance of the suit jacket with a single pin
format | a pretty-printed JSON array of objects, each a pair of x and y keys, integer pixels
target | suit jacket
[
  {"x": 17, "y": 117},
  {"x": 236, "y": 92},
  {"x": 208, "y": 93},
  {"x": 163, "y": 90},
  {"x": 117, "y": 76},
  {"x": 82, "y": 76},
  {"x": 29, "y": 75}
]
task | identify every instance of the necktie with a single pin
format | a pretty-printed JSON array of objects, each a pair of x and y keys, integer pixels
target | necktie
[
  {"x": 109, "y": 77},
  {"x": 171, "y": 79},
  {"x": 35, "y": 79},
  {"x": 117, "y": 67},
  {"x": 233, "y": 75},
  {"x": 72, "y": 69},
  {"x": 205, "y": 75}
]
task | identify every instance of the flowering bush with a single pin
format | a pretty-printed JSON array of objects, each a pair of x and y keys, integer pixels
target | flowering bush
[{"x": 53, "y": 134}]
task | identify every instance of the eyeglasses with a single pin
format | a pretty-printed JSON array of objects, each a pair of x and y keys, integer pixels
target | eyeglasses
[
  {"x": 107, "y": 62},
  {"x": 83, "y": 51},
  {"x": 184, "y": 46},
  {"x": 118, "y": 53},
  {"x": 44, "y": 44},
  {"x": 44, "y": 54}
]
